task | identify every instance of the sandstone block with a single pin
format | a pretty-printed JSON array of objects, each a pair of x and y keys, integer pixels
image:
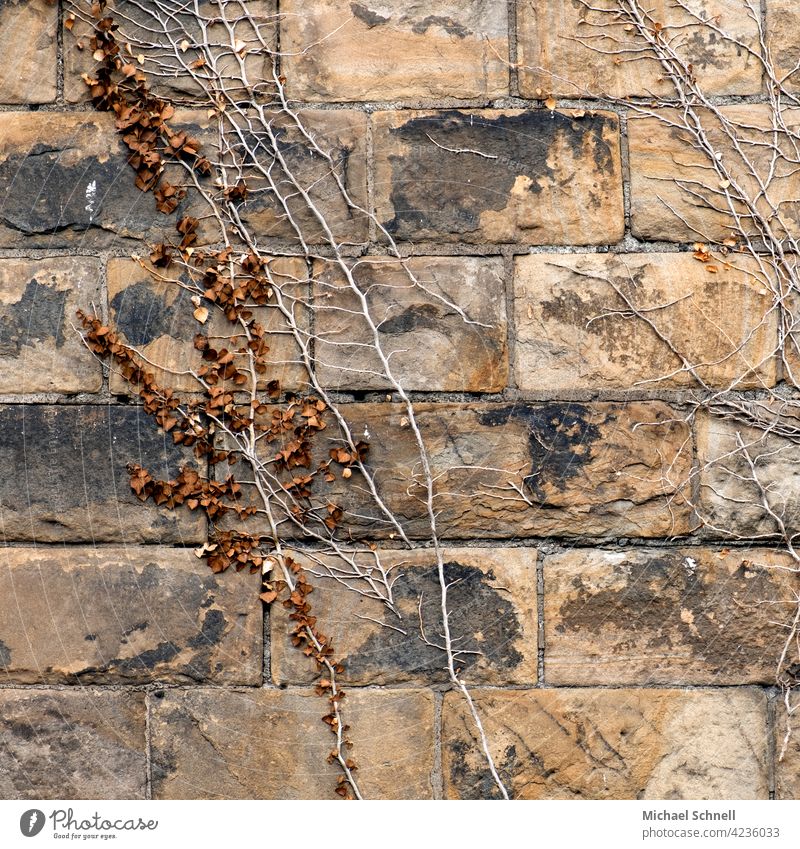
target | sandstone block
[
  {"x": 65, "y": 476},
  {"x": 569, "y": 49},
  {"x": 787, "y": 752},
  {"x": 155, "y": 315},
  {"x": 28, "y": 33},
  {"x": 129, "y": 615},
  {"x": 272, "y": 744},
  {"x": 532, "y": 176},
  {"x": 676, "y": 194},
  {"x": 72, "y": 744},
  {"x": 576, "y": 328},
  {"x": 493, "y": 611},
  {"x": 431, "y": 346},
  {"x": 40, "y": 351},
  {"x": 338, "y": 50},
  {"x": 610, "y": 744},
  {"x": 666, "y": 616},
  {"x": 783, "y": 20}
]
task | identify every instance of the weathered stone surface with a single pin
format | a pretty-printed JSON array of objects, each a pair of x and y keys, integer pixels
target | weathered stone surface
[
  {"x": 677, "y": 196},
  {"x": 666, "y": 615},
  {"x": 516, "y": 469},
  {"x": 271, "y": 744},
  {"x": 533, "y": 176},
  {"x": 492, "y": 600},
  {"x": 155, "y": 315},
  {"x": 610, "y": 744},
  {"x": 28, "y": 45},
  {"x": 66, "y": 182},
  {"x": 783, "y": 21},
  {"x": 732, "y": 491},
  {"x": 40, "y": 351},
  {"x": 153, "y": 36},
  {"x": 72, "y": 744},
  {"x": 133, "y": 615},
  {"x": 341, "y": 50},
  {"x": 576, "y": 331},
  {"x": 65, "y": 478},
  {"x": 569, "y": 49},
  {"x": 431, "y": 346},
  {"x": 787, "y": 752}
]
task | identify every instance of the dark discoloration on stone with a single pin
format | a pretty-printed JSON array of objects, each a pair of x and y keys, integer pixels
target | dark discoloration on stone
[
  {"x": 147, "y": 622},
  {"x": 38, "y": 315},
  {"x": 5, "y": 655},
  {"x": 560, "y": 440},
  {"x": 143, "y": 316},
  {"x": 370, "y": 18},
  {"x": 71, "y": 464},
  {"x": 447, "y": 24},
  {"x": 72, "y": 744},
  {"x": 702, "y": 616}
]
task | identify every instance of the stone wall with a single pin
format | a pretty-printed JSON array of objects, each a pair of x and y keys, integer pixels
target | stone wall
[{"x": 626, "y": 653}]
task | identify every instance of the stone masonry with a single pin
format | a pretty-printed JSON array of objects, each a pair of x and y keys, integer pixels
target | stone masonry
[{"x": 623, "y": 652}]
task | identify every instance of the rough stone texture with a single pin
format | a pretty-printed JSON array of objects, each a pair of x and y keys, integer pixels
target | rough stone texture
[
  {"x": 66, "y": 183},
  {"x": 493, "y": 605},
  {"x": 40, "y": 351},
  {"x": 155, "y": 316},
  {"x": 673, "y": 188},
  {"x": 610, "y": 744},
  {"x": 666, "y": 616},
  {"x": 532, "y": 176},
  {"x": 787, "y": 754},
  {"x": 152, "y": 36},
  {"x": 72, "y": 744},
  {"x": 783, "y": 21},
  {"x": 389, "y": 49},
  {"x": 574, "y": 330},
  {"x": 271, "y": 744},
  {"x": 65, "y": 477},
  {"x": 731, "y": 490},
  {"x": 28, "y": 47},
  {"x": 113, "y": 615},
  {"x": 431, "y": 346},
  {"x": 563, "y": 49}
]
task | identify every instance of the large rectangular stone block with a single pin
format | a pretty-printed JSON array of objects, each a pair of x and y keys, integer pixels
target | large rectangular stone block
[
  {"x": 610, "y": 744},
  {"x": 576, "y": 328},
  {"x": 589, "y": 49},
  {"x": 65, "y": 476},
  {"x": 533, "y": 176},
  {"x": 133, "y": 615},
  {"x": 40, "y": 348},
  {"x": 272, "y": 744},
  {"x": 338, "y": 50},
  {"x": 492, "y": 604},
  {"x": 28, "y": 43},
  {"x": 430, "y": 346},
  {"x": 72, "y": 744},
  {"x": 666, "y": 616}
]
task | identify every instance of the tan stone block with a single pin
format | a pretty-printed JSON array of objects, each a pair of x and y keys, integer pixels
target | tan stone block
[
  {"x": 72, "y": 744},
  {"x": 532, "y": 176},
  {"x": 387, "y": 50},
  {"x": 666, "y": 616},
  {"x": 272, "y": 744},
  {"x": 130, "y": 615},
  {"x": 676, "y": 194},
  {"x": 576, "y": 331},
  {"x": 28, "y": 33},
  {"x": 513, "y": 470},
  {"x": 584, "y": 49},
  {"x": 40, "y": 347},
  {"x": 157, "y": 36},
  {"x": 492, "y": 600},
  {"x": 783, "y": 22},
  {"x": 732, "y": 491},
  {"x": 430, "y": 345},
  {"x": 610, "y": 744},
  {"x": 153, "y": 312},
  {"x": 787, "y": 750}
]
